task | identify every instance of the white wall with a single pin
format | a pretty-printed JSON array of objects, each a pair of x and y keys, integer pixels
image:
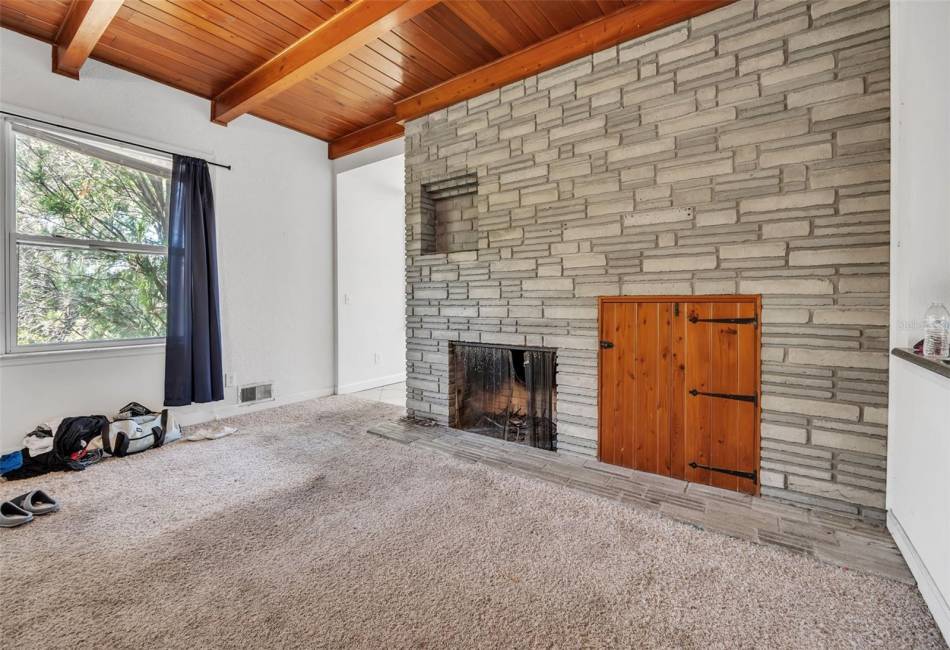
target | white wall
[
  {"x": 920, "y": 151},
  {"x": 372, "y": 154},
  {"x": 918, "y": 455},
  {"x": 275, "y": 242},
  {"x": 371, "y": 259}
]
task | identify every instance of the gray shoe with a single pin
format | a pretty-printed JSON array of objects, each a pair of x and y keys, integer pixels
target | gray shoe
[
  {"x": 12, "y": 515},
  {"x": 36, "y": 502}
]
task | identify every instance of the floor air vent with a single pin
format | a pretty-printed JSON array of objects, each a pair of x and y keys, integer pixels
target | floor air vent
[{"x": 256, "y": 393}]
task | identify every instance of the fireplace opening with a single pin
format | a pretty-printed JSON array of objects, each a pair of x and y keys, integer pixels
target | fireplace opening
[{"x": 505, "y": 393}]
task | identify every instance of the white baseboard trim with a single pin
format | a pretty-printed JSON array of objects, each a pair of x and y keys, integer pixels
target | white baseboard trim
[
  {"x": 371, "y": 383},
  {"x": 936, "y": 601},
  {"x": 187, "y": 417}
]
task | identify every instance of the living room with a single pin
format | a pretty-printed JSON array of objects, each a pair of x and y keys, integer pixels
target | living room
[{"x": 475, "y": 324}]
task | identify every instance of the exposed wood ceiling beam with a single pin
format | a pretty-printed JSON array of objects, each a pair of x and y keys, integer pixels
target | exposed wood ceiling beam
[
  {"x": 485, "y": 24},
  {"x": 360, "y": 23},
  {"x": 85, "y": 23},
  {"x": 367, "y": 137},
  {"x": 622, "y": 25}
]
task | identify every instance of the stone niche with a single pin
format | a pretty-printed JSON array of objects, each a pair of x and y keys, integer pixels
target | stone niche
[
  {"x": 745, "y": 151},
  {"x": 450, "y": 215}
]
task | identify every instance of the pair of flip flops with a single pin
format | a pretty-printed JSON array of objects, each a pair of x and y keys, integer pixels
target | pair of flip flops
[{"x": 22, "y": 509}]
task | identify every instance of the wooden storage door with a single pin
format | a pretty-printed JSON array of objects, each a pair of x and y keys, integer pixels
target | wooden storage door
[
  {"x": 721, "y": 393},
  {"x": 636, "y": 385},
  {"x": 679, "y": 386}
]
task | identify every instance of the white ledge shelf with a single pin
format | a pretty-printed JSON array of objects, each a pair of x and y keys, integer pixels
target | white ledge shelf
[{"x": 932, "y": 365}]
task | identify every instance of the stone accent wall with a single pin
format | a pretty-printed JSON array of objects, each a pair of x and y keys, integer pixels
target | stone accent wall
[
  {"x": 456, "y": 223},
  {"x": 744, "y": 151},
  {"x": 448, "y": 212}
]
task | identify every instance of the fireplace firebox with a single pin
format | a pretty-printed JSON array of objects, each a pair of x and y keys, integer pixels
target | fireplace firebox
[{"x": 506, "y": 393}]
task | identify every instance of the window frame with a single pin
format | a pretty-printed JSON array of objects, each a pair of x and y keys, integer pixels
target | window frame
[{"x": 9, "y": 256}]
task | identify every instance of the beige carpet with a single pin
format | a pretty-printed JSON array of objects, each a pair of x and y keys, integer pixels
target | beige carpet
[{"x": 302, "y": 531}]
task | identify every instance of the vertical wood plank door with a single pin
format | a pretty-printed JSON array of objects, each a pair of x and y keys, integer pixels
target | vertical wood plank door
[
  {"x": 721, "y": 396},
  {"x": 618, "y": 341},
  {"x": 636, "y": 368},
  {"x": 679, "y": 387}
]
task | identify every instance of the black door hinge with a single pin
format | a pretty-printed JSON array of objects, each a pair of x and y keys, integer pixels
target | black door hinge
[
  {"x": 693, "y": 318},
  {"x": 752, "y": 476},
  {"x": 606, "y": 345},
  {"x": 676, "y": 309},
  {"x": 741, "y": 398}
]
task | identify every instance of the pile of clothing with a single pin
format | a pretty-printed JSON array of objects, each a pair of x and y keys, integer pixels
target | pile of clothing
[{"x": 77, "y": 442}]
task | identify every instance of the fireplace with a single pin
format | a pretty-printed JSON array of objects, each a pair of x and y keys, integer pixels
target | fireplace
[{"x": 506, "y": 393}]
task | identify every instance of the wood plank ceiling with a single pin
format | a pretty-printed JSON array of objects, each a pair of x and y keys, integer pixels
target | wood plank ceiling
[{"x": 345, "y": 71}]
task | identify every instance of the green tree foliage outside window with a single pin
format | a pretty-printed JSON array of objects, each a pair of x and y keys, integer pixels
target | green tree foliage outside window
[{"x": 104, "y": 291}]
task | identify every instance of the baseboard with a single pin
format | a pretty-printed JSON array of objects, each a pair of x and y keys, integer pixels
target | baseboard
[
  {"x": 935, "y": 600},
  {"x": 371, "y": 383},
  {"x": 188, "y": 417}
]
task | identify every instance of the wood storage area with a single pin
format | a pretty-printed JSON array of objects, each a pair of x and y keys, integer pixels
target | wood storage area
[{"x": 680, "y": 387}]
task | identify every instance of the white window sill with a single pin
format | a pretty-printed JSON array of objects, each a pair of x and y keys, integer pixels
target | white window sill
[{"x": 80, "y": 354}]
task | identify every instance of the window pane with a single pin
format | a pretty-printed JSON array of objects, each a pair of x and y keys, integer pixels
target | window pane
[
  {"x": 68, "y": 295},
  {"x": 60, "y": 191}
]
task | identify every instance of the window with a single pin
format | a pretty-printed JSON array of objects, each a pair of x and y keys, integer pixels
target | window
[{"x": 85, "y": 230}]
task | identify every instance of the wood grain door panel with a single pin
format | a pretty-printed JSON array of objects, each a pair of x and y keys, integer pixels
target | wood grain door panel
[
  {"x": 617, "y": 328},
  {"x": 666, "y": 355},
  {"x": 720, "y": 358},
  {"x": 636, "y": 374},
  {"x": 652, "y": 395}
]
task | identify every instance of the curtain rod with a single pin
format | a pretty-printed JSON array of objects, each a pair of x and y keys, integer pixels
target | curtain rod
[{"x": 105, "y": 137}]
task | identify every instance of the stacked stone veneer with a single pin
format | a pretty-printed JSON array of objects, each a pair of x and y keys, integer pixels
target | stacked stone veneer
[{"x": 744, "y": 151}]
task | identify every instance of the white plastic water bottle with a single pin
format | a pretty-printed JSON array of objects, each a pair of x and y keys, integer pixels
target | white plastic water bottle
[{"x": 936, "y": 334}]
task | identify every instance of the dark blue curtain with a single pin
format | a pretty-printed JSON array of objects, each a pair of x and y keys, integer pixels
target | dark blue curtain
[{"x": 193, "y": 339}]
